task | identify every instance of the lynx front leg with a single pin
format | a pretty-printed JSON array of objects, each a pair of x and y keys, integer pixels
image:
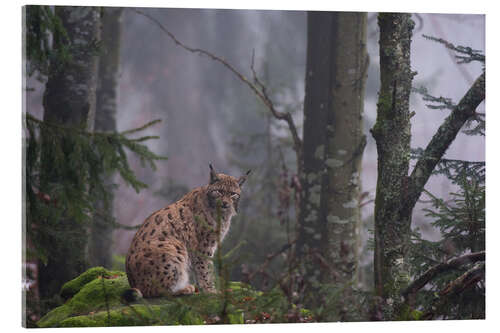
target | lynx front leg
[{"x": 204, "y": 270}]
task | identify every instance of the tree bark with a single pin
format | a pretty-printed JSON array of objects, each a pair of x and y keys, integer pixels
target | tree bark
[
  {"x": 392, "y": 133},
  {"x": 69, "y": 99},
  {"x": 397, "y": 193},
  {"x": 333, "y": 147},
  {"x": 102, "y": 231}
]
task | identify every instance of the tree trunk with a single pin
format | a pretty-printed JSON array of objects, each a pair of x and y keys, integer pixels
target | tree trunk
[
  {"x": 392, "y": 135},
  {"x": 333, "y": 146},
  {"x": 344, "y": 149},
  {"x": 105, "y": 120},
  {"x": 69, "y": 100}
]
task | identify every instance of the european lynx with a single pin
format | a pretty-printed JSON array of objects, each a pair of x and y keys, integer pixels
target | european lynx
[{"x": 181, "y": 236}]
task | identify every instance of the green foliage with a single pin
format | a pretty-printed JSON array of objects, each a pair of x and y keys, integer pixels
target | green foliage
[
  {"x": 118, "y": 262},
  {"x": 41, "y": 25},
  {"x": 64, "y": 181},
  {"x": 461, "y": 223}
]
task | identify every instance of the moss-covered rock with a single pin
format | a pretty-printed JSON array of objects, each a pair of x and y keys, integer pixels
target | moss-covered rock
[
  {"x": 97, "y": 301},
  {"x": 101, "y": 292},
  {"x": 70, "y": 288}
]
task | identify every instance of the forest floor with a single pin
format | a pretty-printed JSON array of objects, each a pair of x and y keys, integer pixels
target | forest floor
[{"x": 96, "y": 299}]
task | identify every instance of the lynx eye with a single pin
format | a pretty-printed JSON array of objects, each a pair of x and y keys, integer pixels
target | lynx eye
[{"x": 235, "y": 196}]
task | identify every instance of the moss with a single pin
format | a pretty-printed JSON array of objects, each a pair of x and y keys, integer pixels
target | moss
[
  {"x": 72, "y": 287},
  {"x": 98, "y": 303},
  {"x": 137, "y": 315},
  {"x": 90, "y": 295}
]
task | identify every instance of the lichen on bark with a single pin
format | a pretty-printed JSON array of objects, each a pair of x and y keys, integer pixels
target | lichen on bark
[
  {"x": 333, "y": 146},
  {"x": 392, "y": 133}
]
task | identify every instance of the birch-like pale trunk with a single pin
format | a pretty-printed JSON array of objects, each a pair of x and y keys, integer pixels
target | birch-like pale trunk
[{"x": 333, "y": 147}]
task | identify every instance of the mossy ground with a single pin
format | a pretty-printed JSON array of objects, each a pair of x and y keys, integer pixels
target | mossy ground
[{"x": 96, "y": 301}]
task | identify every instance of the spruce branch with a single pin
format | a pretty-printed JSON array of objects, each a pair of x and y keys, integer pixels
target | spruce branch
[
  {"x": 256, "y": 86},
  {"x": 442, "y": 102},
  {"x": 468, "y": 54},
  {"x": 443, "y": 138}
]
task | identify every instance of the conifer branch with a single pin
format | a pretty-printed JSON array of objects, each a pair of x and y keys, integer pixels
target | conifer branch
[
  {"x": 30, "y": 117},
  {"x": 469, "y": 54},
  {"x": 443, "y": 138}
]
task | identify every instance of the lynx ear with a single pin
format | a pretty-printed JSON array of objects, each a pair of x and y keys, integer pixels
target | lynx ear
[
  {"x": 213, "y": 175},
  {"x": 242, "y": 179}
]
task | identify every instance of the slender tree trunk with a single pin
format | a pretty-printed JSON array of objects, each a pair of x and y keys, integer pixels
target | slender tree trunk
[
  {"x": 333, "y": 146},
  {"x": 392, "y": 133},
  {"x": 69, "y": 99},
  {"x": 105, "y": 120}
]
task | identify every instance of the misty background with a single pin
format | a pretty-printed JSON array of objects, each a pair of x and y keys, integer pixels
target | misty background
[{"x": 211, "y": 116}]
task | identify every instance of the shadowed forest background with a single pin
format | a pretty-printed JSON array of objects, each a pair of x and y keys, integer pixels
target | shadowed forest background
[{"x": 210, "y": 116}]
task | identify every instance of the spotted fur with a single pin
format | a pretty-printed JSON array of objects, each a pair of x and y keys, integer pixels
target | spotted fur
[{"x": 183, "y": 237}]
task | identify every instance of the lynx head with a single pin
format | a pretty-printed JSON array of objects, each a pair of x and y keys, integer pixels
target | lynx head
[{"x": 225, "y": 189}]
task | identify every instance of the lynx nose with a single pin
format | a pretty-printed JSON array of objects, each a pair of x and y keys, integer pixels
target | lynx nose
[{"x": 225, "y": 205}]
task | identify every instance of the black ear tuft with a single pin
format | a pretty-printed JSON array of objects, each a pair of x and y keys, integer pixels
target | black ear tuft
[
  {"x": 242, "y": 179},
  {"x": 213, "y": 175}
]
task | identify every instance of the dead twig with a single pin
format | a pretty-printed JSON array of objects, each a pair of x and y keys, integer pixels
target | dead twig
[
  {"x": 465, "y": 281},
  {"x": 431, "y": 273},
  {"x": 257, "y": 87},
  {"x": 269, "y": 258}
]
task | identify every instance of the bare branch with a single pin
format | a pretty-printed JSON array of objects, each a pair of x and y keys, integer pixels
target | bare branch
[
  {"x": 455, "y": 287},
  {"x": 443, "y": 139},
  {"x": 440, "y": 268},
  {"x": 269, "y": 258},
  {"x": 258, "y": 88}
]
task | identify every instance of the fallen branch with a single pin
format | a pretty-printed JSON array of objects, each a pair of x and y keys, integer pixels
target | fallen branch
[
  {"x": 463, "y": 282},
  {"x": 431, "y": 273}
]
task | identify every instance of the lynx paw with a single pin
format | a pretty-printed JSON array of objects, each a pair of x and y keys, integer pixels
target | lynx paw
[{"x": 188, "y": 290}]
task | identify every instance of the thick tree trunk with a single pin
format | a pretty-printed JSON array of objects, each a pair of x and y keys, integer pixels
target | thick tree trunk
[
  {"x": 69, "y": 100},
  {"x": 333, "y": 146},
  {"x": 344, "y": 149},
  {"x": 392, "y": 135},
  {"x": 105, "y": 120}
]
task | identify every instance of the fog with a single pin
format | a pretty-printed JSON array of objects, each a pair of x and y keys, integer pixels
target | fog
[{"x": 211, "y": 116}]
